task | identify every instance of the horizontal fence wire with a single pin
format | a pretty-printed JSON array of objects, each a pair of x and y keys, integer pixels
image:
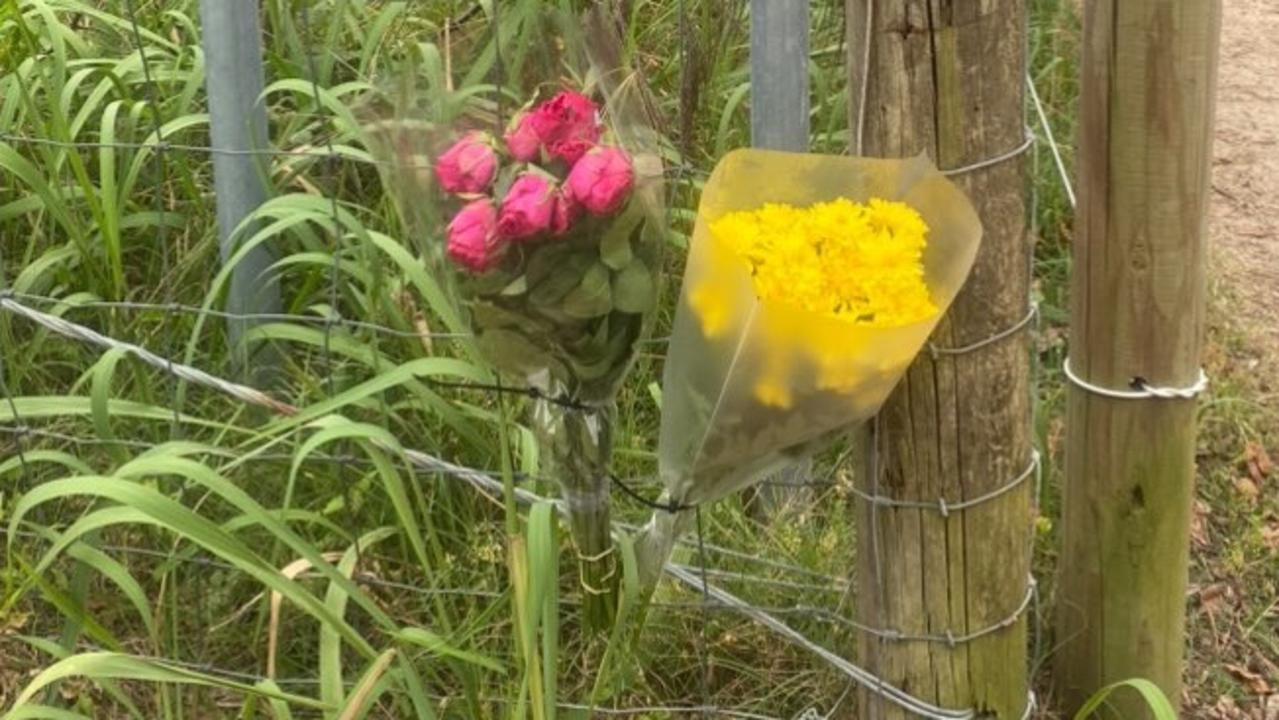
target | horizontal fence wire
[
  {"x": 67, "y": 304},
  {"x": 340, "y": 153},
  {"x": 937, "y": 351},
  {"x": 427, "y": 465},
  {"x": 945, "y": 507}
]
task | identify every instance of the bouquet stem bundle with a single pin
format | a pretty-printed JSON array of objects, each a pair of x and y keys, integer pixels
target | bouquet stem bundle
[{"x": 577, "y": 449}]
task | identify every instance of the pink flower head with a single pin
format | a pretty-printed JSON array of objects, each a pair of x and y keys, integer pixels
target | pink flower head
[
  {"x": 522, "y": 139},
  {"x": 602, "y": 180},
  {"x": 566, "y": 213},
  {"x": 568, "y": 125},
  {"x": 468, "y": 166},
  {"x": 527, "y": 208},
  {"x": 472, "y": 236}
]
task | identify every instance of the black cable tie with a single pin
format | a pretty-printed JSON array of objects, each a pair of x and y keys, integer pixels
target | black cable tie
[{"x": 669, "y": 507}]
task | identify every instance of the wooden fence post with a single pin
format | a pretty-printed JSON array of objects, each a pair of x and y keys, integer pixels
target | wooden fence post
[
  {"x": 1149, "y": 84},
  {"x": 947, "y": 78},
  {"x": 232, "y": 40}
]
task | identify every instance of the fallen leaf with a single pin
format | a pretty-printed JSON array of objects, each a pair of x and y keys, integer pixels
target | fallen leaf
[
  {"x": 1270, "y": 708},
  {"x": 14, "y": 623},
  {"x": 1255, "y": 682},
  {"x": 1259, "y": 464},
  {"x": 1247, "y": 488},
  {"x": 1199, "y": 524},
  {"x": 1212, "y": 597},
  {"x": 1270, "y": 535},
  {"x": 423, "y": 332},
  {"x": 1226, "y": 709}
]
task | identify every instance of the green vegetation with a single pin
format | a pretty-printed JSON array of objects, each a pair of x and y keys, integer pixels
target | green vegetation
[{"x": 157, "y": 532}]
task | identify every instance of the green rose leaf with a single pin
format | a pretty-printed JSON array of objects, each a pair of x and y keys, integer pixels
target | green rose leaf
[
  {"x": 633, "y": 289},
  {"x": 592, "y": 297},
  {"x": 591, "y": 340},
  {"x": 588, "y": 371},
  {"x": 489, "y": 283},
  {"x": 512, "y": 351},
  {"x": 558, "y": 280},
  {"x": 615, "y": 246},
  {"x": 519, "y": 286},
  {"x": 487, "y": 316},
  {"x": 543, "y": 259}
]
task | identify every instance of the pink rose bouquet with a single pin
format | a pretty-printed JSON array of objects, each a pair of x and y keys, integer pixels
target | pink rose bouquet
[{"x": 550, "y": 231}]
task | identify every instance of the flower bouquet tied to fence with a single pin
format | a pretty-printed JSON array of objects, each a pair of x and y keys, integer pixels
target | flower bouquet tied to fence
[
  {"x": 804, "y": 301},
  {"x": 545, "y": 224}
]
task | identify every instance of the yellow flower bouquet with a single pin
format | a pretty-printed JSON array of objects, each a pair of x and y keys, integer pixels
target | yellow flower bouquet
[{"x": 812, "y": 283}]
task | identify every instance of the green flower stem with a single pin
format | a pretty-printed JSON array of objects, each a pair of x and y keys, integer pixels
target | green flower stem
[{"x": 577, "y": 449}]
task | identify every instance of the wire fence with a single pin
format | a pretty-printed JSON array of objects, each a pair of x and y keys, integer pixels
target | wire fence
[{"x": 73, "y": 315}]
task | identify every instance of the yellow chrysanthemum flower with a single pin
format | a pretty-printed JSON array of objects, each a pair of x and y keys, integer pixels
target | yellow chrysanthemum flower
[
  {"x": 714, "y": 306},
  {"x": 858, "y": 263},
  {"x": 773, "y": 392}
]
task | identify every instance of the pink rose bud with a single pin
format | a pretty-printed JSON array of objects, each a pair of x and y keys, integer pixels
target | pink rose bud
[
  {"x": 566, "y": 213},
  {"x": 472, "y": 236},
  {"x": 527, "y": 208},
  {"x": 468, "y": 166},
  {"x": 568, "y": 125},
  {"x": 601, "y": 181},
  {"x": 522, "y": 139}
]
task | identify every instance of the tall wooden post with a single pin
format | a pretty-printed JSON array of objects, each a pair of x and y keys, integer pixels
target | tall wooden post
[
  {"x": 947, "y": 78},
  {"x": 1149, "y": 82}
]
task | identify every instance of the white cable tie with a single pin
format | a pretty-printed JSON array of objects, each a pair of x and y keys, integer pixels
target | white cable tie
[{"x": 1141, "y": 389}]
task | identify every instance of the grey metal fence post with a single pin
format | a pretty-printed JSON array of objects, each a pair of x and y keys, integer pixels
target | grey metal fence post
[
  {"x": 234, "y": 77},
  {"x": 779, "y": 74},
  {"x": 779, "y": 121}
]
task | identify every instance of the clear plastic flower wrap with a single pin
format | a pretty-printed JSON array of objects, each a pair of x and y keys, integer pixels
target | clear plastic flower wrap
[
  {"x": 753, "y": 384},
  {"x": 538, "y": 204}
]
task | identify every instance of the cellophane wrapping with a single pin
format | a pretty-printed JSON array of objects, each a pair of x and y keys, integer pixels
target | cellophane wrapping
[
  {"x": 824, "y": 374},
  {"x": 551, "y": 259}
]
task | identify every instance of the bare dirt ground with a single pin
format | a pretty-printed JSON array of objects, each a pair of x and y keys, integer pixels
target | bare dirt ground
[
  {"x": 1245, "y": 216},
  {"x": 1233, "y": 671}
]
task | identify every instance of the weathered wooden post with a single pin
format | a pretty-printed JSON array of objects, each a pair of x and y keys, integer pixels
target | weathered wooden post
[
  {"x": 232, "y": 40},
  {"x": 943, "y": 561},
  {"x": 780, "y": 121},
  {"x": 1149, "y": 82}
]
